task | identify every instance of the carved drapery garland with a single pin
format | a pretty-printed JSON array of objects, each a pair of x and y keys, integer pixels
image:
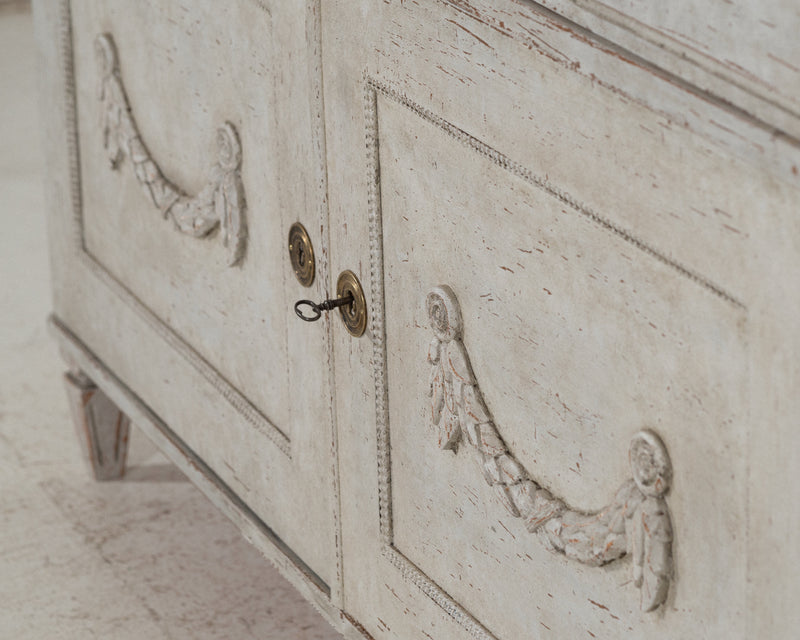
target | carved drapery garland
[
  {"x": 636, "y": 523},
  {"x": 220, "y": 204}
]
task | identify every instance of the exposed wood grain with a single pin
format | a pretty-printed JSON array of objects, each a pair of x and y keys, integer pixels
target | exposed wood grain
[
  {"x": 754, "y": 125},
  {"x": 742, "y": 51},
  {"x": 102, "y": 429}
]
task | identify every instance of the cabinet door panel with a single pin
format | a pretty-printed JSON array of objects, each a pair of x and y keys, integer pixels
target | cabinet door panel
[
  {"x": 180, "y": 96},
  {"x": 589, "y": 309},
  {"x": 194, "y": 147},
  {"x": 572, "y": 341}
]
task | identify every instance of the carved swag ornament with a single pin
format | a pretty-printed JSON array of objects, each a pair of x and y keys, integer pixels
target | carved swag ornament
[
  {"x": 636, "y": 523},
  {"x": 220, "y": 204}
]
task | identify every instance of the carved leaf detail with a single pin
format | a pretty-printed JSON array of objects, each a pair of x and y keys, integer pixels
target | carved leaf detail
[
  {"x": 636, "y": 523},
  {"x": 450, "y": 431},
  {"x": 436, "y": 389},
  {"x": 458, "y": 362},
  {"x": 220, "y": 204},
  {"x": 511, "y": 471},
  {"x": 652, "y": 551},
  {"x": 545, "y": 508}
]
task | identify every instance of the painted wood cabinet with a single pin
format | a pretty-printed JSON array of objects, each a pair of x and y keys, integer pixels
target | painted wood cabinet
[
  {"x": 572, "y": 412},
  {"x": 184, "y": 141}
]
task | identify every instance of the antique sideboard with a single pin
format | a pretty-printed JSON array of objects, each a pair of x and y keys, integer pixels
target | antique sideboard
[{"x": 553, "y": 254}]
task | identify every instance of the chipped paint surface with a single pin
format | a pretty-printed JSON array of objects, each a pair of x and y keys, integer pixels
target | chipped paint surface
[
  {"x": 600, "y": 221},
  {"x": 615, "y": 205},
  {"x": 146, "y": 299}
]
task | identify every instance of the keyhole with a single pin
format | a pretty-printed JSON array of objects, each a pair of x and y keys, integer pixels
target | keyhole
[
  {"x": 349, "y": 308},
  {"x": 301, "y": 256}
]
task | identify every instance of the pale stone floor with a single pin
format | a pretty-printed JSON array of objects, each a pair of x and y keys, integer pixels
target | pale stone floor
[{"x": 146, "y": 558}]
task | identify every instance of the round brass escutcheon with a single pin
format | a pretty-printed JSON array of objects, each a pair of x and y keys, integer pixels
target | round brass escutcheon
[
  {"x": 354, "y": 315},
  {"x": 301, "y": 254}
]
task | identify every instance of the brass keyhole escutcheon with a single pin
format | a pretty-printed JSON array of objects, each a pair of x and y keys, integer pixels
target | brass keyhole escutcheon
[
  {"x": 301, "y": 254},
  {"x": 354, "y": 315},
  {"x": 349, "y": 300}
]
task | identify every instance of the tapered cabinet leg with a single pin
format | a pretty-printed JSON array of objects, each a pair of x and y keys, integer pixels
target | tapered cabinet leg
[{"x": 101, "y": 427}]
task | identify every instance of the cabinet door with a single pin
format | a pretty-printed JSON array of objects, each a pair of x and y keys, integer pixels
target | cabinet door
[
  {"x": 193, "y": 146},
  {"x": 544, "y": 431}
]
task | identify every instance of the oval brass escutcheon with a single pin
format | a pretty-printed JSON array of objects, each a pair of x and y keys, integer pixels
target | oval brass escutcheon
[
  {"x": 301, "y": 254},
  {"x": 354, "y": 315}
]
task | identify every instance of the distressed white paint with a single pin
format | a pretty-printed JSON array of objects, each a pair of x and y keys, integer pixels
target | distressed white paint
[
  {"x": 149, "y": 557},
  {"x": 219, "y": 205},
  {"x": 606, "y": 232},
  {"x": 211, "y": 350},
  {"x": 743, "y": 52},
  {"x": 101, "y": 428},
  {"x": 624, "y": 245},
  {"x": 636, "y": 523}
]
